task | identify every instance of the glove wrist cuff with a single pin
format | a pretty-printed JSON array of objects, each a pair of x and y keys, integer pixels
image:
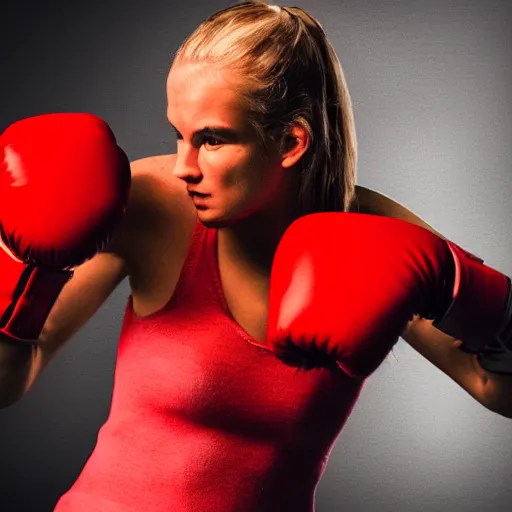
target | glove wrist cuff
[
  {"x": 479, "y": 306},
  {"x": 27, "y": 294}
]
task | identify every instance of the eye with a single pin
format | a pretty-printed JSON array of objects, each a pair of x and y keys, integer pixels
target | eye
[
  {"x": 212, "y": 141},
  {"x": 209, "y": 140}
]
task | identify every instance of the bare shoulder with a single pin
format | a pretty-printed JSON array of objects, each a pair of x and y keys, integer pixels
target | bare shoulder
[
  {"x": 157, "y": 198},
  {"x": 155, "y": 171},
  {"x": 160, "y": 221},
  {"x": 163, "y": 164},
  {"x": 375, "y": 203}
]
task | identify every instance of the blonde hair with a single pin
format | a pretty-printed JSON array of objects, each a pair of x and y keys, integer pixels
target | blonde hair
[{"x": 291, "y": 76}]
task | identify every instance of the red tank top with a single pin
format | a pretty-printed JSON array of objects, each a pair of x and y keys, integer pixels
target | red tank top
[{"x": 203, "y": 418}]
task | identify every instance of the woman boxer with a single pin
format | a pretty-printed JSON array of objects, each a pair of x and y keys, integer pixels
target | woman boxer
[{"x": 204, "y": 416}]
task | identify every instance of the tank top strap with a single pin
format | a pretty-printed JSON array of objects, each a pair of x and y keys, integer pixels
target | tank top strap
[{"x": 198, "y": 282}]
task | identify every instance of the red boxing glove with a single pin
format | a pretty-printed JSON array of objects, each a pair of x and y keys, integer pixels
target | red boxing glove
[
  {"x": 64, "y": 186},
  {"x": 343, "y": 287}
]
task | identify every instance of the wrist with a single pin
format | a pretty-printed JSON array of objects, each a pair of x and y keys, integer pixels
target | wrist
[
  {"x": 479, "y": 305},
  {"x": 27, "y": 294},
  {"x": 496, "y": 356}
]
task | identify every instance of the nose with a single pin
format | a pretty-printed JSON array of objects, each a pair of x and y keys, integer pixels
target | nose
[{"x": 186, "y": 167}]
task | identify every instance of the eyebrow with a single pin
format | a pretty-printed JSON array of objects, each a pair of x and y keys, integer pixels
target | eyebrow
[{"x": 212, "y": 131}]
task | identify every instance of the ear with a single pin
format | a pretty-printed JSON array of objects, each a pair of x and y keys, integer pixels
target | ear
[{"x": 296, "y": 142}]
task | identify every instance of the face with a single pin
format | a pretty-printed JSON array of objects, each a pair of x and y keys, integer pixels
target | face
[{"x": 219, "y": 158}]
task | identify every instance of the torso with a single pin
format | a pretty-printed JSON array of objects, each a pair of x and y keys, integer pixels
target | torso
[{"x": 243, "y": 433}]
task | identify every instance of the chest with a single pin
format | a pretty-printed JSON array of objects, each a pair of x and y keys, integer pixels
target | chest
[
  {"x": 246, "y": 298},
  {"x": 201, "y": 370},
  {"x": 192, "y": 362},
  {"x": 158, "y": 269}
]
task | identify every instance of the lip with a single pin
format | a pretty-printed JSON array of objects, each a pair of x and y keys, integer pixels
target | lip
[
  {"x": 200, "y": 200},
  {"x": 193, "y": 193}
]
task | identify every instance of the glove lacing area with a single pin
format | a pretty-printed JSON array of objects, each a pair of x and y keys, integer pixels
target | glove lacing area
[
  {"x": 306, "y": 356},
  {"x": 55, "y": 259}
]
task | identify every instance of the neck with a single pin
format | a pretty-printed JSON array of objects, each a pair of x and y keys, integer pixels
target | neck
[{"x": 253, "y": 241}]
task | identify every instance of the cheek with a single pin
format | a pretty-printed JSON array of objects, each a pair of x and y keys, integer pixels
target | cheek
[
  {"x": 239, "y": 179},
  {"x": 225, "y": 169},
  {"x": 263, "y": 189},
  {"x": 267, "y": 181}
]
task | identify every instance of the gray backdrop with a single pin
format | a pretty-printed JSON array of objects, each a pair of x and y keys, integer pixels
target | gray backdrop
[{"x": 431, "y": 86}]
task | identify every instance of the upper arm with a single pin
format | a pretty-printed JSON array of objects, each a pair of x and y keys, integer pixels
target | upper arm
[
  {"x": 440, "y": 349},
  {"x": 91, "y": 284},
  {"x": 374, "y": 203},
  {"x": 94, "y": 281}
]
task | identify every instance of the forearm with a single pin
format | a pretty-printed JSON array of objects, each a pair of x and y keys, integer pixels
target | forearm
[
  {"x": 498, "y": 390},
  {"x": 15, "y": 365},
  {"x": 492, "y": 390}
]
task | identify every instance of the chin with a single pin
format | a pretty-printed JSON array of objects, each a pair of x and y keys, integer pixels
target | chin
[
  {"x": 208, "y": 219},
  {"x": 219, "y": 219}
]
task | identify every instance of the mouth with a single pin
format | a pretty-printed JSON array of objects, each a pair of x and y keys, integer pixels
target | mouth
[
  {"x": 193, "y": 194},
  {"x": 200, "y": 200}
]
